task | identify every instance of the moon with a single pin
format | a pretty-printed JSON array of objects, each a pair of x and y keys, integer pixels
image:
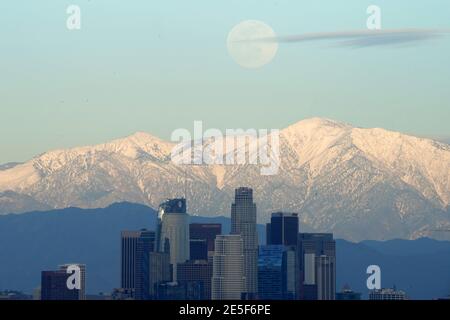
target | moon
[{"x": 244, "y": 48}]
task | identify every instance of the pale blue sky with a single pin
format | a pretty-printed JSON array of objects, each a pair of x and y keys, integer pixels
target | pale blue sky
[{"x": 159, "y": 65}]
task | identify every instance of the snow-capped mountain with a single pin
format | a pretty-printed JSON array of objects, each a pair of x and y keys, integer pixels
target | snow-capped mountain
[{"x": 358, "y": 183}]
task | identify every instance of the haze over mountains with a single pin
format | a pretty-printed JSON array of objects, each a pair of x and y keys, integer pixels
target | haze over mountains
[{"x": 358, "y": 183}]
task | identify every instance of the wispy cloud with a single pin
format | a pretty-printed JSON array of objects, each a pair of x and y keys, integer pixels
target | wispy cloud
[{"x": 365, "y": 38}]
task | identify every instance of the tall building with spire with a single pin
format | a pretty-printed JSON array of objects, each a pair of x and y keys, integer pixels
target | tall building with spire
[{"x": 243, "y": 222}]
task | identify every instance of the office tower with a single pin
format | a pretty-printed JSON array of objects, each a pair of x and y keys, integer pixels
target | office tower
[
  {"x": 129, "y": 240},
  {"x": 82, "y": 267},
  {"x": 290, "y": 268},
  {"x": 197, "y": 271},
  {"x": 228, "y": 281},
  {"x": 387, "y": 294},
  {"x": 348, "y": 294},
  {"x": 136, "y": 247},
  {"x": 317, "y": 264},
  {"x": 270, "y": 272},
  {"x": 282, "y": 229},
  {"x": 173, "y": 225},
  {"x": 198, "y": 249},
  {"x": 54, "y": 286},
  {"x": 205, "y": 231},
  {"x": 326, "y": 277},
  {"x": 276, "y": 272},
  {"x": 145, "y": 245},
  {"x": 243, "y": 222},
  {"x": 159, "y": 271}
]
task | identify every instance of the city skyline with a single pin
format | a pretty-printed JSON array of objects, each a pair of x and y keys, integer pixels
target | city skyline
[
  {"x": 155, "y": 265},
  {"x": 197, "y": 269},
  {"x": 303, "y": 269}
]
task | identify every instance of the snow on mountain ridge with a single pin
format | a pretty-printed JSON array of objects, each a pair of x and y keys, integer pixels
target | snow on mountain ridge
[
  {"x": 335, "y": 175},
  {"x": 315, "y": 141},
  {"x": 24, "y": 175},
  {"x": 421, "y": 163}
]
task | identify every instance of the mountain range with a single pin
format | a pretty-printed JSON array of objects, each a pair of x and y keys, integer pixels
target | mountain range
[{"x": 358, "y": 183}]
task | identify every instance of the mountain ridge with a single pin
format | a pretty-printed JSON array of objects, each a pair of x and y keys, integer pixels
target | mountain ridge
[{"x": 359, "y": 183}]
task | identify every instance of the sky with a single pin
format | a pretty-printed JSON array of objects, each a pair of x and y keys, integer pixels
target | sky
[{"x": 156, "y": 66}]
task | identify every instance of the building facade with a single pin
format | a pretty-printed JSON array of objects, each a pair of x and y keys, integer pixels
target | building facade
[
  {"x": 243, "y": 222},
  {"x": 228, "y": 280},
  {"x": 270, "y": 272},
  {"x": 205, "y": 231},
  {"x": 277, "y": 272},
  {"x": 173, "y": 227},
  {"x": 282, "y": 229},
  {"x": 317, "y": 266},
  {"x": 135, "y": 250},
  {"x": 197, "y": 271},
  {"x": 160, "y": 271},
  {"x": 54, "y": 284},
  {"x": 198, "y": 249}
]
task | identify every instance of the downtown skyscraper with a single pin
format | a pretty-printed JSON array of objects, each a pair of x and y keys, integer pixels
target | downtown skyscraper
[
  {"x": 136, "y": 247},
  {"x": 317, "y": 259},
  {"x": 282, "y": 229},
  {"x": 173, "y": 232},
  {"x": 228, "y": 280},
  {"x": 243, "y": 222}
]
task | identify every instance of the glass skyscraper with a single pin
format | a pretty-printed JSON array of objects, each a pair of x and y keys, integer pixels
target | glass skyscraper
[
  {"x": 270, "y": 272},
  {"x": 135, "y": 269},
  {"x": 282, "y": 229},
  {"x": 277, "y": 272}
]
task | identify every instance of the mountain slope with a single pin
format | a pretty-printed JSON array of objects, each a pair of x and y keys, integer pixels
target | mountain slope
[{"x": 359, "y": 183}]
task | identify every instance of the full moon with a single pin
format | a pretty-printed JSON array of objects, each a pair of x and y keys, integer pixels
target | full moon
[{"x": 244, "y": 47}]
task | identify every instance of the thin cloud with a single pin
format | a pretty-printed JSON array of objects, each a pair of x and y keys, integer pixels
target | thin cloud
[{"x": 365, "y": 38}]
